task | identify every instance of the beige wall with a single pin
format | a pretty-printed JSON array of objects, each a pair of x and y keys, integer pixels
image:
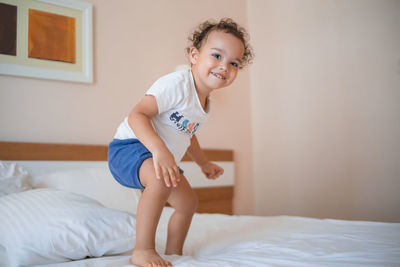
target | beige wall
[
  {"x": 135, "y": 42},
  {"x": 326, "y": 108}
]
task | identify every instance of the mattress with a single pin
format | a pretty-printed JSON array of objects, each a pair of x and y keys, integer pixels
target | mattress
[
  {"x": 222, "y": 240},
  {"x": 213, "y": 239}
]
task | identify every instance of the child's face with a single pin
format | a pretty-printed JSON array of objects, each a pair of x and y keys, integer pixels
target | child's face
[{"x": 217, "y": 63}]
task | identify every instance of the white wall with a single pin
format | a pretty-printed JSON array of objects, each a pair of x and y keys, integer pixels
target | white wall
[{"x": 326, "y": 108}]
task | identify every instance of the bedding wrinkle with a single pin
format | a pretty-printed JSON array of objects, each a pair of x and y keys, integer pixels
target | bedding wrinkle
[
  {"x": 52, "y": 227},
  {"x": 285, "y": 247},
  {"x": 68, "y": 227},
  {"x": 279, "y": 241}
]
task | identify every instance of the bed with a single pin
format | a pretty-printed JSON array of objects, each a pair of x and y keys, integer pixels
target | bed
[{"x": 63, "y": 208}]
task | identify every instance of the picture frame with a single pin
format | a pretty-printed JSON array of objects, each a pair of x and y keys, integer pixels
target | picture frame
[{"x": 25, "y": 64}]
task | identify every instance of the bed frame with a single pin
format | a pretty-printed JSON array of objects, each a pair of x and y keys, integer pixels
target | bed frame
[{"x": 211, "y": 199}]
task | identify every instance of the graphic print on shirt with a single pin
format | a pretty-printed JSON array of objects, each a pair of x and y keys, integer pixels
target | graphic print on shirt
[{"x": 184, "y": 124}]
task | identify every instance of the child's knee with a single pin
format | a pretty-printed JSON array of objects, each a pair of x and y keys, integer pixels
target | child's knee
[
  {"x": 190, "y": 204},
  {"x": 158, "y": 186},
  {"x": 148, "y": 177}
]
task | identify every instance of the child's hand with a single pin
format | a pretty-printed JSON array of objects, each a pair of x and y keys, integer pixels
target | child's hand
[
  {"x": 166, "y": 168},
  {"x": 212, "y": 171}
]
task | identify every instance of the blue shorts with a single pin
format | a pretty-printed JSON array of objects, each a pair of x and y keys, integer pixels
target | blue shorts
[{"x": 124, "y": 160}]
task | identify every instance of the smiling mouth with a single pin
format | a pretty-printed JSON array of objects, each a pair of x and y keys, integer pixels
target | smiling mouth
[{"x": 219, "y": 76}]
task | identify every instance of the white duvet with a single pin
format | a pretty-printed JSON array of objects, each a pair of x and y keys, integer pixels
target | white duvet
[{"x": 221, "y": 240}]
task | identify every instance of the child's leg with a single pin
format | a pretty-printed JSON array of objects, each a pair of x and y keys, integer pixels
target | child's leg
[
  {"x": 185, "y": 201},
  {"x": 149, "y": 210}
]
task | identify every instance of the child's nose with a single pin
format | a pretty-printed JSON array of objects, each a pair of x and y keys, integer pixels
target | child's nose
[{"x": 223, "y": 66}]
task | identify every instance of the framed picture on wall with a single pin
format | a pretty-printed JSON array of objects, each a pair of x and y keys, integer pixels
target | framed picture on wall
[{"x": 49, "y": 39}]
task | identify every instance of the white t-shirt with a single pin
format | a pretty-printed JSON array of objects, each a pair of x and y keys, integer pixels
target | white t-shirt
[{"x": 180, "y": 113}]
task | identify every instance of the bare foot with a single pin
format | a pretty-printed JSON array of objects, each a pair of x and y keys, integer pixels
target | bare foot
[{"x": 148, "y": 258}]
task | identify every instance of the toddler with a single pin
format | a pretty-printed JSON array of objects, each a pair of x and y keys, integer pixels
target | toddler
[{"x": 152, "y": 140}]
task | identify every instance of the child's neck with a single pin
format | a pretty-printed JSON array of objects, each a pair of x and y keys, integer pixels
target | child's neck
[
  {"x": 203, "y": 97},
  {"x": 202, "y": 92}
]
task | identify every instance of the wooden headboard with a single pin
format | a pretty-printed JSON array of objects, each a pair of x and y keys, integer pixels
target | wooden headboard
[{"x": 211, "y": 199}]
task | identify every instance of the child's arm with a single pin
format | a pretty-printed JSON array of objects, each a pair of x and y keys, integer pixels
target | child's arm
[
  {"x": 139, "y": 120},
  {"x": 211, "y": 170}
]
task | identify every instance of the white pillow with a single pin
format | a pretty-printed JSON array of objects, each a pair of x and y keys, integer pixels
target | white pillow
[
  {"x": 43, "y": 226},
  {"x": 94, "y": 182},
  {"x": 13, "y": 178}
]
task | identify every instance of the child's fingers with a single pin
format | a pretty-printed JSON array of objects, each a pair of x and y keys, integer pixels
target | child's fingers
[
  {"x": 157, "y": 169},
  {"x": 166, "y": 177},
  {"x": 217, "y": 172},
  {"x": 173, "y": 177},
  {"x": 178, "y": 174},
  {"x": 214, "y": 173}
]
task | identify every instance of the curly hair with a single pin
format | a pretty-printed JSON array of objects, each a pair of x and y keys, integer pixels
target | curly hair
[{"x": 226, "y": 25}]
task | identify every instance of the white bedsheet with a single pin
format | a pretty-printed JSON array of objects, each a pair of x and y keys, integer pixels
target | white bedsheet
[{"x": 221, "y": 240}]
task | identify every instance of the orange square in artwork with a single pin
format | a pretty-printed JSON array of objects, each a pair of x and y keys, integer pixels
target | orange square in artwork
[{"x": 51, "y": 36}]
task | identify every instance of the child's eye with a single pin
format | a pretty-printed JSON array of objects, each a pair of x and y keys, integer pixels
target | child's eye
[
  {"x": 236, "y": 65},
  {"x": 217, "y": 56}
]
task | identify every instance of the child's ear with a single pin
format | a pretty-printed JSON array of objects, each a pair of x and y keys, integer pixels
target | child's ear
[{"x": 193, "y": 54}]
